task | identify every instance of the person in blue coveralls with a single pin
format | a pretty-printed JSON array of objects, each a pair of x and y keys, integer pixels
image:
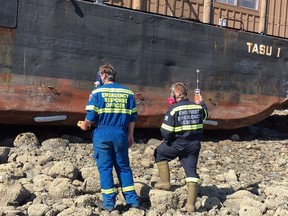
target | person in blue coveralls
[
  {"x": 112, "y": 108},
  {"x": 181, "y": 130}
]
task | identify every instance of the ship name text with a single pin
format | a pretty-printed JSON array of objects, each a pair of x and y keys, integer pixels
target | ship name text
[{"x": 262, "y": 49}]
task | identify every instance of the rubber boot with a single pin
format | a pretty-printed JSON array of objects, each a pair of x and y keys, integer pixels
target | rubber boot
[
  {"x": 164, "y": 183},
  {"x": 191, "y": 196}
]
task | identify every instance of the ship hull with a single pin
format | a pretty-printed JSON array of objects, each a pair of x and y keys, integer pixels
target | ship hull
[{"x": 50, "y": 57}]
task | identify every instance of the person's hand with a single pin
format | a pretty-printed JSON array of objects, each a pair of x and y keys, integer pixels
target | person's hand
[
  {"x": 130, "y": 141},
  {"x": 198, "y": 98},
  {"x": 83, "y": 125}
]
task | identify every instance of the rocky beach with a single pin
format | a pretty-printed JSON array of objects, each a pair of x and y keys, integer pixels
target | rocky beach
[{"x": 49, "y": 172}]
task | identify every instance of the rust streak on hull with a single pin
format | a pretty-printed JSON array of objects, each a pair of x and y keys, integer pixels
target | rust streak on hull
[{"x": 21, "y": 104}]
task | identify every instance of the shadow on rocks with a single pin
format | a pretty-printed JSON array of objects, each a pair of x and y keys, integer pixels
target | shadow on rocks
[
  {"x": 213, "y": 196},
  {"x": 144, "y": 195}
]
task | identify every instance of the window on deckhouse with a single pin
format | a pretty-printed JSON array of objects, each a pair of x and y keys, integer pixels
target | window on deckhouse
[{"x": 253, "y": 4}]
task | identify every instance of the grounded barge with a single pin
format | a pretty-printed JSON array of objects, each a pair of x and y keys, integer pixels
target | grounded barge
[{"x": 50, "y": 52}]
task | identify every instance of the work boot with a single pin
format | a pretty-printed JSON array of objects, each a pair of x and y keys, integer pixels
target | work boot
[
  {"x": 100, "y": 205},
  {"x": 164, "y": 183},
  {"x": 191, "y": 196}
]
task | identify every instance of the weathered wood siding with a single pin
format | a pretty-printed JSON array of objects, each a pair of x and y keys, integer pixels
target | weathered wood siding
[
  {"x": 176, "y": 8},
  {"x": 236, "y": 17},
  {"x": 275, "y": 18}
]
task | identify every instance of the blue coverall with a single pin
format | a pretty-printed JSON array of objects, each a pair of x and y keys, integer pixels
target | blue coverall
[{"x": 112, "y": 107}]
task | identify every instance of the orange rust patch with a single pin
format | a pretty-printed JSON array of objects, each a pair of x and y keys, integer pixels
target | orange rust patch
[
  {"x": 5, "y": 77},
  {"x": 6, "y": 34}
]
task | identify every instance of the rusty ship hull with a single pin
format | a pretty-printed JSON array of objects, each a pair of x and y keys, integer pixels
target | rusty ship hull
[{"x": 50, "y": 52}]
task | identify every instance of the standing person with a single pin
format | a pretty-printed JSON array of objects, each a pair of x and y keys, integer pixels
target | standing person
[
  {"x": 182, "y": 130},
  {"x": 112, "y": 107}
]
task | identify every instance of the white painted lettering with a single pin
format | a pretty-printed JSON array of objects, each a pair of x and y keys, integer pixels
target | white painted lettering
[
  {"x": 269, "y": 51},
  {"x": 262, "y": 49},
  {"x": 255, "y": 49},
  {"x": 278, "y": 52},
  {"x": 249, "y": 46}
]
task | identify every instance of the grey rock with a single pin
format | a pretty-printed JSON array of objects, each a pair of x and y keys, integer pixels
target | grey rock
[
  {"x": 26, "y": 141},
  {"x": 13, "y": 194},
  {"x": 64, "y": 169},
  {"x": 60, "y": 178},
  {"x": 55, "y": 143},
  {"x": 63, "y": 188},
  {"x": 38, "y": 210}
]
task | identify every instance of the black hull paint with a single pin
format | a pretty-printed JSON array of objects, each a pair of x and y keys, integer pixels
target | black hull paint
[{"x": 56, "y": 48}]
